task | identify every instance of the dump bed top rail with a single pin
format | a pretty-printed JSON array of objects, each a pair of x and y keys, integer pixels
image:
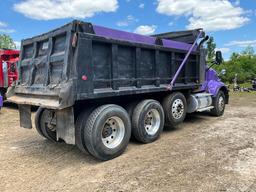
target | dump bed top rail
[
  {"x": 182, "y": 36},
  {"x": 132, "y": 37},
  {"x": 168, "y": 40}
]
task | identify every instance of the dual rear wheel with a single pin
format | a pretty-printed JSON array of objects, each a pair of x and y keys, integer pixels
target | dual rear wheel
[
  {"x": 147, "y": 121},
  {"x": 106, "y": 132},
  {"x": 175, "y": 109}
]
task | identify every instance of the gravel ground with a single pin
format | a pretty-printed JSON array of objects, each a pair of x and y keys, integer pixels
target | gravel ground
[{"x": 204, "y": 154}]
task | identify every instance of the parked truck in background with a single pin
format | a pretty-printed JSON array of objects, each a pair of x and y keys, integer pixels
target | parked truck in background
[
  {"x": 8, "y": 69},
  {"x": 96, "y": 86}
]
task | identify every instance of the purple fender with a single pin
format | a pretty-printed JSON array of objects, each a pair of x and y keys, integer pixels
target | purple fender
[
  {"x": 213, "y": 87},
  {"x": 213, "y": 84}
]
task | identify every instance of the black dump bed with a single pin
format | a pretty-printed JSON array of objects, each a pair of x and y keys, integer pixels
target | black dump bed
[{"x": 76, "y": 62}]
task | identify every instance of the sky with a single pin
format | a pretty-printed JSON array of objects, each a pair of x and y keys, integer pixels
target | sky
[{"x": 232, "y": 23}]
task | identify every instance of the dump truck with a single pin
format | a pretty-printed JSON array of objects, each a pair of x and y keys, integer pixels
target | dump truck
[
  {"x": 8, "y": 69},
  {"x": 96, "y": 86}
]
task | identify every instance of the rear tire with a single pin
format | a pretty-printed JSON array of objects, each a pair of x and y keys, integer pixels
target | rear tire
[
  {"x": 43, "y": 126},
  {"x": 175, "y": 109},
  {"x": 147, "y": 121},
  {"x": 107, "y": 132},
  {"x": 130, "y": 107},
  {"x": 218, "y": 104},
  {"x": 79, "y": 132}
]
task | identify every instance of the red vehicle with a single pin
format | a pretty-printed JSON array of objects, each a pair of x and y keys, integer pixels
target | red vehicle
[{"x": 8, "y": 68}]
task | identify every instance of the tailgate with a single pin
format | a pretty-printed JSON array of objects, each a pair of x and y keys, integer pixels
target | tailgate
[{"x": 45, "y": 72}]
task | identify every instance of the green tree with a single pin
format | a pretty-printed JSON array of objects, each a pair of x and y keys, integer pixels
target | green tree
[
  {"x": 234, "y": 56},
  {"x": 211, "y": 46},
  {"x": 243, "y": 64},
  {"x": 6, "y": 42},
  {"x": 249, "y": 51}
]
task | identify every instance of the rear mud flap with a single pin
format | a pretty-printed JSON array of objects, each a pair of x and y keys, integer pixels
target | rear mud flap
[
  {"x": 66, "y": 125},
  {"x": 25, "y": 116}
]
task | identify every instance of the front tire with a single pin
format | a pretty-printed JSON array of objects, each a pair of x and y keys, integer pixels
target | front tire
[
  {"x": 175, "y": 109},
  {"x": 147, "y": 121},
  {"x": 107, "y": 132},
  {"x": 218, "y": 104}
]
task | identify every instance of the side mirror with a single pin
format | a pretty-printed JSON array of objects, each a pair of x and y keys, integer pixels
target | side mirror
[{"x": 219, "y": 58}]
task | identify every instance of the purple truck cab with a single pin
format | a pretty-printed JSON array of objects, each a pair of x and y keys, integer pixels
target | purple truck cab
[{"x": 213, "y": 84}]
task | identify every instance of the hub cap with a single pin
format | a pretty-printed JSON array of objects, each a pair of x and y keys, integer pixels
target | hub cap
[
  {"x": 113, "y": 132},
  {"x": 221, "y": 103},
  {"x": 152, "y": 122},
  {"x": 177, "y": 108}
]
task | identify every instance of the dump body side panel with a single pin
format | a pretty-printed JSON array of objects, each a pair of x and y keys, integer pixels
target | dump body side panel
[{"x": 107, "y": 67}]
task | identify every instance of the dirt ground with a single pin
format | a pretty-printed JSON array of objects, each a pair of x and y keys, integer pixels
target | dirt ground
[{"x": 204, "y": 154}]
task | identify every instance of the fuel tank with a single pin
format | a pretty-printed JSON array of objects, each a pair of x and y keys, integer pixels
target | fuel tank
[{"x": 199, "y": 102}]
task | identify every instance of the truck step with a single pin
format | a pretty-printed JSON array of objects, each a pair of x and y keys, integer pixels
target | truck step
[{"x": 205, "y": 109}]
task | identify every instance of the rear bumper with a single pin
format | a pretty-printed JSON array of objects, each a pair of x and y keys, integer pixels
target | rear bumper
[
  {"x": 58, "y": 98},
  {"x": 51, "y": 103}
]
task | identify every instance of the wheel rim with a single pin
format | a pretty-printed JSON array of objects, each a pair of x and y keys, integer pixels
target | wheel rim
[
  {"x": 177, "y": 108},
  {"x": 221, "y": 103},
  {"x": 113, "y": 132},
  {"x": 47, "y": 124},
  {"x": 152, "y": 122},
  {"x": 49, "y": 120}
]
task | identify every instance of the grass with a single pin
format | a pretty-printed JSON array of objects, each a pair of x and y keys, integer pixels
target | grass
[
  {"x": 242, "y": 93},
  {"x": 247, "y": 85},
  {"x": 242, "y": 85}
]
